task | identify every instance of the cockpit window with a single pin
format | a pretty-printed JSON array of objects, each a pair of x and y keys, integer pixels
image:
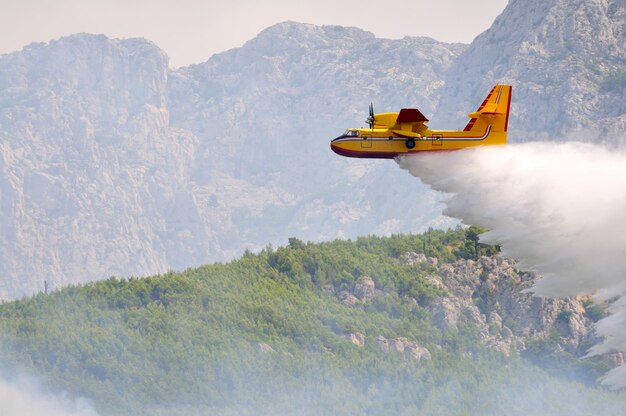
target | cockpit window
[{"x": 351, "y": 133}]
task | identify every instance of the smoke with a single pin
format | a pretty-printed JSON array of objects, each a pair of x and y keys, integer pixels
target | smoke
[
  {"x": 560, "y": 208},
  {"x": 24, "y": 397}
]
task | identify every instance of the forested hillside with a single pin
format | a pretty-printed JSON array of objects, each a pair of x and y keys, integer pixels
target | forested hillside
[{"x": 414, "y": 324}]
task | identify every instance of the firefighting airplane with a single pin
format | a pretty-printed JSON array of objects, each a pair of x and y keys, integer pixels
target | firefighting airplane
[{"x": 395, "y": 134}]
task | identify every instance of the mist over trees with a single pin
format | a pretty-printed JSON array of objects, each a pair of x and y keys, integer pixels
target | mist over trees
[{"x": 276, "y": 333}]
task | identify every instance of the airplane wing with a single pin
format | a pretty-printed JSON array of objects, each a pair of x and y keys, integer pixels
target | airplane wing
[
  {"x": 409, "y": 123},
  {"x": 406, "y": 133}
]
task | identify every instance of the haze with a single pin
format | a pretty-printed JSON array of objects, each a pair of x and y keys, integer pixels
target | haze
[{"x": 190, "y": 31}]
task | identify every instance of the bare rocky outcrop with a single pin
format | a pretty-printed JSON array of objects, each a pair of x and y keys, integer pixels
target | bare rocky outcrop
[
  {"x": 490, "y": 294},
  {"x": 263, "y": 347},
  {"x": 348, "y": 298},
  {"x": 357, "y": 339},
  {"x": 413, "y": 258},
  {"x": 411, "y": 349},
  {"x": 365, "y": 289},
  {"x": 382, "y": 343},
  {"x": 416, "y": 352},
  {"x": 446, "y": 313},
  {"x": 417, "y": 258}
]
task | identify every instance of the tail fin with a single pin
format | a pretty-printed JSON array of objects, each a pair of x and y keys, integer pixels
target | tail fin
[{"x": 494, "y": 111}]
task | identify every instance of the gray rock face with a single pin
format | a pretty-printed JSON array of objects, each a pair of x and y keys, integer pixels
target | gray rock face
[
  {"x": 489, "y": 294},
  {"x": 565, "y": 60},
  {"x": 445, "y": 313},
  {"x": 113, "y": 164},
  {"x": 365, "y": 289},
  {"x": 416, "y": 352},
  {"x": 413, "y": 258},
  {"x": 264, "y": 115},
  {"x": 357, "y": 339},
  {"x": 348, "y": 298},
  {"x": 382, "y": 343},
  {"x": 412, "y": 350},
  {"x": 89, "y": 166}
]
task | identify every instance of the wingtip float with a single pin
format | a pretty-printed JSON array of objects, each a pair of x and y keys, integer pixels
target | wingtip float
[{"x": 394, "y": 134}]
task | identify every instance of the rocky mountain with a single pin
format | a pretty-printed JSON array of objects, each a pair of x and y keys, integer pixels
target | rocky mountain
[
  {"x": 88, "y": 161},
  {"x": 264, "y": 114},
  {"x": 566, "y": 60},
  {"x": 489, "y": 294},
  {"x": 113, "y": 164}
]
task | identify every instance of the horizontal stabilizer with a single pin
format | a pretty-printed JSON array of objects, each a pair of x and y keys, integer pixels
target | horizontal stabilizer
[
  {"x": 410, "y": 115},
  {"x": 490, "y": 109}
]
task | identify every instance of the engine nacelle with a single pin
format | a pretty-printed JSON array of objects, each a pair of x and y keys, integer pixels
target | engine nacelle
[{"x": 385, "y": 119}]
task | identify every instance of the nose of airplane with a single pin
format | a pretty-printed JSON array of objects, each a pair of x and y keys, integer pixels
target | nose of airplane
[
  {"x": 338, "y": 147},
  {"x": 334, "y": 146}
]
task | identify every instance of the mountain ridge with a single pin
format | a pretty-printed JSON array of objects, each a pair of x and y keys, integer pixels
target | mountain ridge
[
  {"x": 557, "y": 59},
  {"x": 113, "y": 162},
  {"x": 102, "y": 173}
]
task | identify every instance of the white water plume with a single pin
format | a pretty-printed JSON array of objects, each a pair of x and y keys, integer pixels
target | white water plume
[{"x": 560, "y": 208}]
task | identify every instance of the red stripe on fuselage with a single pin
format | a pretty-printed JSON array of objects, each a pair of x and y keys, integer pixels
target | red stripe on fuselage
[
  {"x": 355, "y": 153},
  {"x": 380, "y": 155}
]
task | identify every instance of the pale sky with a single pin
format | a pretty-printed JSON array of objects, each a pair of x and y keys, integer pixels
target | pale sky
[{"x": 190, "y": 31}]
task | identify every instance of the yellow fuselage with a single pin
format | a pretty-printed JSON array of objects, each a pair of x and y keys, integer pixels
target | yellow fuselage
[
  {"x": 488, "y": 126},
  {"x": 382, "y": 143}
]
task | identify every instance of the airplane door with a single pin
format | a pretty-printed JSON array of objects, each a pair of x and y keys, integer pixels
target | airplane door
[
  {"x": 437, "y": 140},
  {"x": 366, "y": 142}
]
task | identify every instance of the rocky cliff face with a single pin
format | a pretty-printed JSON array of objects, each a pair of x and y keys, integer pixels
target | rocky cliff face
[
  {"x": 490, "y": 296},
  {"x": 111, "y": 164},
  {"x": 566, "y": 60},
  {"x": 88, "y": 162},
  {"x": 489, "y": 293},
  {"x": 264, "y": 114}
]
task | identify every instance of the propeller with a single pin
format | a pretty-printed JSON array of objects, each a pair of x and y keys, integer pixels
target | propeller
[{"x": 370, "y": 119}]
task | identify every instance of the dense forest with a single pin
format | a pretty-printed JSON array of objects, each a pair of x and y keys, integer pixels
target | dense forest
[{"x": 267, "y": 334}]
